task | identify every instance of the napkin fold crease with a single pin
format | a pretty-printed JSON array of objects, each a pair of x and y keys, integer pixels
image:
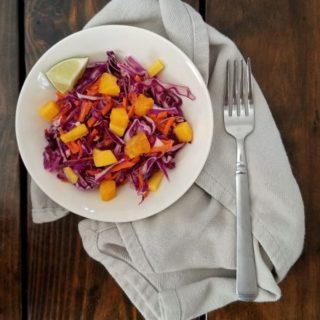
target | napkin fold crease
[{"x": 181, "y": 263}]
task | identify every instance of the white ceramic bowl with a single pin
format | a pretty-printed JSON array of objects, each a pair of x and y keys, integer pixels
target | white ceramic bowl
[{"x": 145, "y": 46}]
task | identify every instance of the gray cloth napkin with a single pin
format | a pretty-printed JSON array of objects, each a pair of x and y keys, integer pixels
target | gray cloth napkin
[{"x": 181, "y": 262}]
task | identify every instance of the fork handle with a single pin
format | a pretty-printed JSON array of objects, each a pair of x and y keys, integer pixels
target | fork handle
[{"x": 246, "y": 282}]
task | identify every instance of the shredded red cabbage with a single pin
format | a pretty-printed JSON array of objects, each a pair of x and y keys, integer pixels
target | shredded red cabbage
[{"x": 133, "y": 79}]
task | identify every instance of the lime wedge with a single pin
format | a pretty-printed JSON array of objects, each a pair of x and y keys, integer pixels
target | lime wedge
[{"x": 66, "y": 73}]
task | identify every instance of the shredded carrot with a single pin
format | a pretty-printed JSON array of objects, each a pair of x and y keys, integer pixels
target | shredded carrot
[
  {"x": 74, "y": 147},
  {"x": 92, "y": 92},
  {"x": 137, "y": 78},
  {"x": 132, "y": 96},
  {"x": 60, "y": 131},
  {"x": 131, "y": 112},
  {"x": 153, "y": 117},
  {"x": 160, "y": 121},
  {"x": 93, "y": 89},
  {"x": 93, "y": 172},
  {"x": 125, "y": 102},
  {"x": 167, "y": 141},
  {"x": 162, "y": 115},
  {"x": 168, "y": 125},
  {"x": 86, "y": 107},
  {"x": 115, "y": 175},
  {"x": 108, "y": 176},
  {"x": 107, "y": 107},
  {"x": 140, "y": 180},
  {"x": 91, "y": 122},
  {"x": 85, "y": 159},
  {"x": 167, "y": 145},
  {"x": 80, "y": 148},
  {"x": 60, "y": 95},
  {"x": 61, "y": 113},
  {"x": 165, "y": 124},
  {"x": 94, "y": 132},
  {"x": 107, "y": 142},
  {"x": 93, "y": 136},
  {"x": 145, "y": 194},
  {"x": 160, "y": 149},
  {"x": 160, "y": 126},
  {"x": 125, "y": 165}
]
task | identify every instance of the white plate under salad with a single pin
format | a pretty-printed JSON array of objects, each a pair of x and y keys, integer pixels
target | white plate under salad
[{"x": 146, "y": 47}]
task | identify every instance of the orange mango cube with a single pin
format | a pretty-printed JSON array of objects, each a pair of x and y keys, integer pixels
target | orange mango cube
[
  {"x": 183, "y": 132},
  {"x": 71, "y": 175},
  {"x": 119, "y": 120},
  {"x": 142, "y": 105},
  {"x": 108, "y": 85},
  {"x": 155, "y": 68},
  {"x": 49, "y": 110},
  {"x": 155, "y": 180},
  {"x": 137, "y": 145},
  {"x": 103, "y": 158},
  {"x": 75, "y": 133},
  {"x": 108, "y": 190}
]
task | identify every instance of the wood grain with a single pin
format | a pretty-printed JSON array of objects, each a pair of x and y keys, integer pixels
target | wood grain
[
  {"x": 10, "y": 290},
  {"x": 283, "y": 40},
  {"x": 63, "y": 282},
  {"x": 47, "y": 22}
]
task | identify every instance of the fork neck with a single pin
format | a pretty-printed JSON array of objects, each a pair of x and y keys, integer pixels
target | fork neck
[{"x": 241, "y": 157}]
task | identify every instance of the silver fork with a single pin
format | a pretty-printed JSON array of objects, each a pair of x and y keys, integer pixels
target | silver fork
[{"x": 239, "y": 122}]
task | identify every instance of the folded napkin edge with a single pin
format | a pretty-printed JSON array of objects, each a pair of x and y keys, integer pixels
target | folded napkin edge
[{"x": 282, "y": 255}]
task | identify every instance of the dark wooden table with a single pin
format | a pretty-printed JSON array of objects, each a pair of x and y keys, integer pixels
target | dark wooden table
[{"x": 44, "y": 271}]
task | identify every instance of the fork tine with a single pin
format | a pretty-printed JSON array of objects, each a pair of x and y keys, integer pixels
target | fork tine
[
  {"x": 226, "y": 97},
  {"x": 242, "y": 89},
  {"x": 249, "y": 81},
  {"x": 228, "y": 94},
  {"x": 245, "y": 88},
  {"x": 237, "y": 80}
]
